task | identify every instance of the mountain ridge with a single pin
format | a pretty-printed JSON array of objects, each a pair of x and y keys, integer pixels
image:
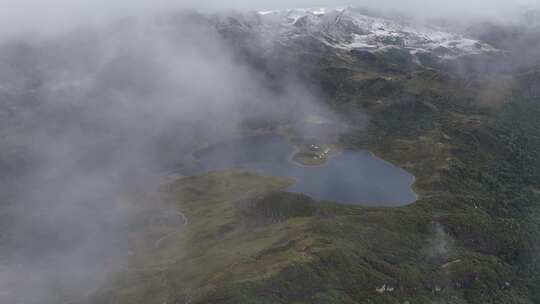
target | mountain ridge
[{"x": 353, "y": 29}]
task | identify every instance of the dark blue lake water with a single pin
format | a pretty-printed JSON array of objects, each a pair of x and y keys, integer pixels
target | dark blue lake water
[{"x": 352, "y": 177}]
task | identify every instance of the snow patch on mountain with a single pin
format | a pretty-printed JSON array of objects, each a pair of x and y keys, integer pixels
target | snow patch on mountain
[{"x": 353, "y": 29}]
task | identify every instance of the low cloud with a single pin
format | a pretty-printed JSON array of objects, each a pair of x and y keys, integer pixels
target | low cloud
[
  {"x": 57, "y": 15},
  {"x": 98, "y": 110},
  {"x": 95, "y": 117}
]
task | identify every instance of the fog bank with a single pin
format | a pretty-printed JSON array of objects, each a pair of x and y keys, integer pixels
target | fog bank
[
  {"x": 52, "y": 16},
  {"x": 91, "y": 122}
]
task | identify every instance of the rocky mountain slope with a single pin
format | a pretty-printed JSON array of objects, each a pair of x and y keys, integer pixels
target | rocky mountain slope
[{"x": 348, "y": 29}]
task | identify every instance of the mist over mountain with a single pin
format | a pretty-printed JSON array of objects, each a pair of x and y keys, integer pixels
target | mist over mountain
[
  {"x": 27, "y": 16},
  {"x": 106, "y": 107},
  {"x": 95, "y": 116}
]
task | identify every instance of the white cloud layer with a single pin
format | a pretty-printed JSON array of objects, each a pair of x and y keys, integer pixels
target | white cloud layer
[{"x": 51, "y": 15}]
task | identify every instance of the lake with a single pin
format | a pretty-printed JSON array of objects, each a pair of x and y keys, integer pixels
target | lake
[{"x": 351, "y": 177}]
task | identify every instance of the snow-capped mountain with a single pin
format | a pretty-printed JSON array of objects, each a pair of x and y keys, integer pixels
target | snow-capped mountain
[{"x": 354, "y": 29}]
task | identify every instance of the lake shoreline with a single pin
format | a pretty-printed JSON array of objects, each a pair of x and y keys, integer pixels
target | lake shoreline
[{"x": 345, "y": 177}]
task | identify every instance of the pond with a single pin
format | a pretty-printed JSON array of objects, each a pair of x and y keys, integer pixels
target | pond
[{"x": 351, "y": 177}]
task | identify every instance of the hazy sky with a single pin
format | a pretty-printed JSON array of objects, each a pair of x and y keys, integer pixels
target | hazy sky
[{"x": 53, "y": 14}]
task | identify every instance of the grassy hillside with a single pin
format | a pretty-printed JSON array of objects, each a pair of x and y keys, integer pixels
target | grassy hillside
[{"x": 472, "y": 237}]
